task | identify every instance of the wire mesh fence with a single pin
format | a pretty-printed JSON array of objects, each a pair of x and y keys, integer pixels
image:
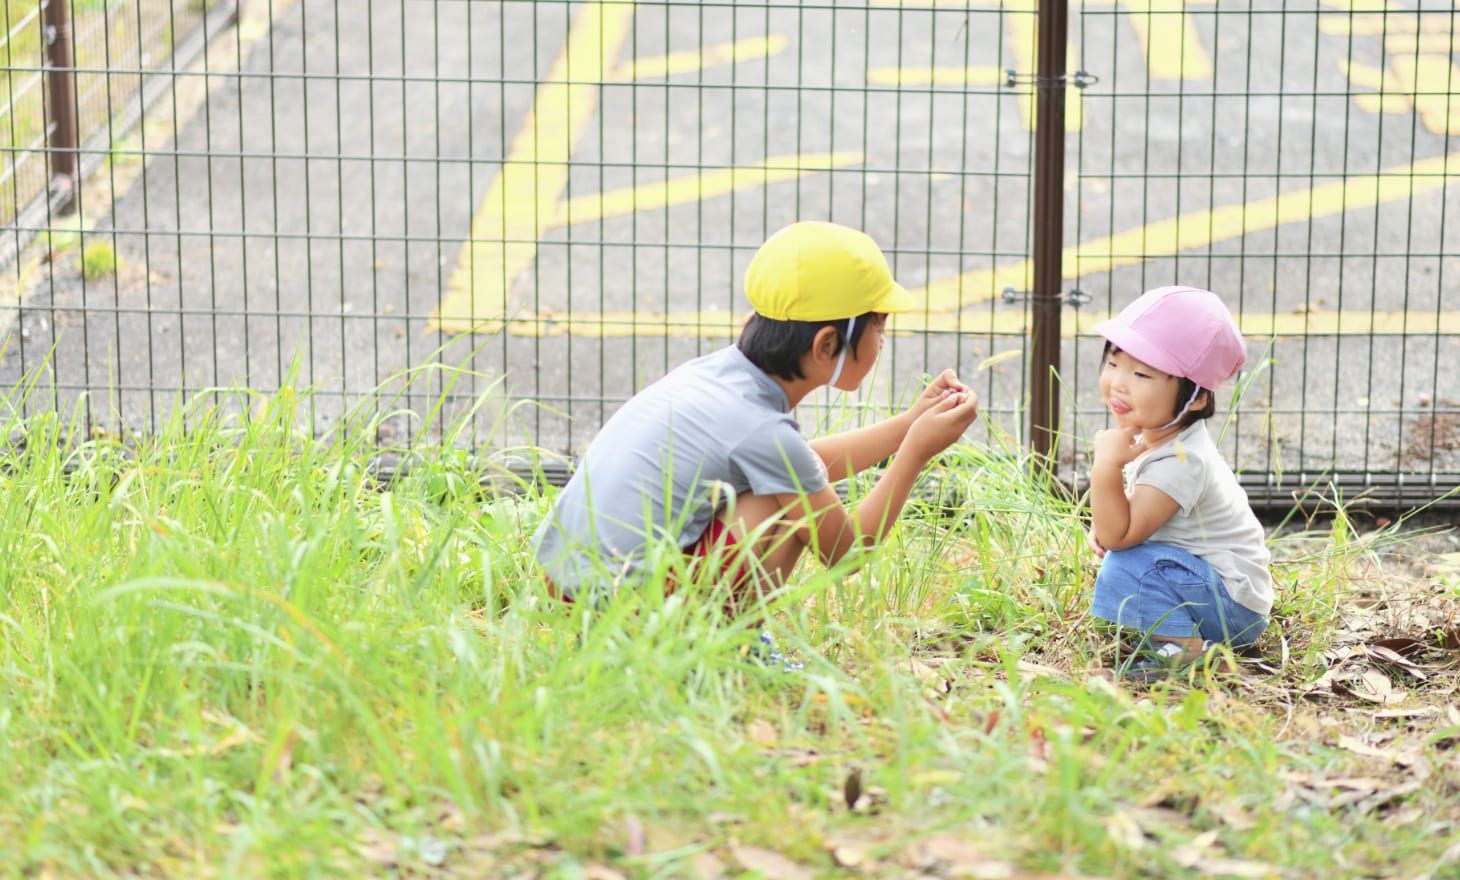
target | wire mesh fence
[
  {"x": 110, "y": 49},
  {"x": 557, "y": 201}
]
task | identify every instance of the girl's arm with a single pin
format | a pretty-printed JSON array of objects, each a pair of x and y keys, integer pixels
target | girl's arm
[
  {"x": 851, "y": 452},
  {"x": 1119, "y": 521}
]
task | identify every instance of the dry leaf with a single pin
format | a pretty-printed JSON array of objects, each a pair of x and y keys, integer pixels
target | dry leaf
[
  {"x": 377, "y": 848},
  {"x": 1189, "y": 854},
  {"x": 769, "y": 863},
  {"x": 762, "y": 732},
  {"x": 1414, "y": 712},
  {"x": 951, "y": 848},
  {"x": 852, "y": 788},
  {"x": 850, "y": 854},
  {"x": 1401, "y": 645},
  {"x": 1359, "y": 747},
  {"x": 634, "y": 831},
  {"x": 1124, "y": 831},
  {"x": 707, "y": 866},
  {"x": 602, "y": 872},
  {"x": 1235, "y": 868},
  {"x": 1394, "y": 658}
]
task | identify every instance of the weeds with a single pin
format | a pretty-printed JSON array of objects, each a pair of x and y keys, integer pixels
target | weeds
[{"x": 229, "y": 651}]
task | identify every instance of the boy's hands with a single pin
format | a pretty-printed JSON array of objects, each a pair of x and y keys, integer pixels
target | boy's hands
[
  {"x": 1117, "y": 447},
  {"x": 943, "y": 384},
  {"x": 941, "y": 423}
]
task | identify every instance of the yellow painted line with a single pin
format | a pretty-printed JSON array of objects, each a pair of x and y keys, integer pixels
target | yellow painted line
[
  {"x": 1026, "y": 56},
  {"x": 941, "y": 75},
  {"x": 1168, "y": 37},
  {"x": 522, "y": 199},
  {"x": 1254, "y": 325},
  {"x": 700, "y": 59},
  {"x": 1428, "y": 43},
  {"x": 1376, "y": 78},
  {"x": 1392, "y": 24},
  {"x": 724, "y": 325},
  {"x": 1435, "y": 80},
  {"x": 995, "y": 4},
  {"x": 1357, "y": 5},
  {"x": 1023, "y": 43},
  {"x": 1200, "y": 228},
  {"x": 697, "y": 187}
]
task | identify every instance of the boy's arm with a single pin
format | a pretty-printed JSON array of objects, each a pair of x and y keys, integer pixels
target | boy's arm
[
  {"x": 837, "y": 530},
  {"x": 1118, "y": 521},
  {"x": 851, "y": 452}
]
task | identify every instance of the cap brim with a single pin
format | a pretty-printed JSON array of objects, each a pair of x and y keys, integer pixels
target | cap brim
[
  {"x": 1137, "y": 346},
  {"x": 897, "y": 299}
]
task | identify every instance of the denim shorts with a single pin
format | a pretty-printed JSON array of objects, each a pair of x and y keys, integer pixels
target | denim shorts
[{"x": 1165, "y": 591}]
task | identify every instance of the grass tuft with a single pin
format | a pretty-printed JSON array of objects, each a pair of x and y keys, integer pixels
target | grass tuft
[
  {"x": 230, "y": 650},
  {"x": 98, "y": 260}
]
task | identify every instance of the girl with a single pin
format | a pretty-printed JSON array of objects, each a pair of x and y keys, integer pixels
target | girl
[{"x": 1183, "y": 557}]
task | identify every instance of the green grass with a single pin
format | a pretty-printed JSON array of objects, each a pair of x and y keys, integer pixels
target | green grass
[
  {"x": 98, "y": 260},
  {"x": 227, "y": 652}
]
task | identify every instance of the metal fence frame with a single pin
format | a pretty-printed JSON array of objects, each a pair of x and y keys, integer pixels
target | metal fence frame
[{"x": 1043, "y": 319}]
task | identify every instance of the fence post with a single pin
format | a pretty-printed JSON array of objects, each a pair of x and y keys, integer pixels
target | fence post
[
  {"x": 64, "y": 140},
  {"x": 1049, "y": 221}
]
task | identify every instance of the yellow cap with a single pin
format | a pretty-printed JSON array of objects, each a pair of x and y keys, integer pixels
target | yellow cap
[{"x": 814, "y": 271}]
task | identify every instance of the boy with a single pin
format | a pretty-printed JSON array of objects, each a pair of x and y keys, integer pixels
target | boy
[{"x": 710, "y": 457}]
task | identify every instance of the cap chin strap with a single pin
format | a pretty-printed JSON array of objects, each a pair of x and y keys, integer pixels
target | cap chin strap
[
  {"x": 841, "y": 359},
  {"x": 1183, "y": 410}
]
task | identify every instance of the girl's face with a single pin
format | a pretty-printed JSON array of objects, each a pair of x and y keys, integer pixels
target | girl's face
[{"x": 1138, "y": 395}]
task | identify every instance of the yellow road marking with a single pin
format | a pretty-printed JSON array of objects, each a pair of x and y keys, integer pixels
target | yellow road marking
[
  {"x": 1435, "y": 81},
  {"x": 1392, "y": 24},
  {"x": 697, "y": 187},
  {"x": 723, "y": 325},
  {"x": 1199, "y": 228},
  {"x": 996, "y": 4},
  {"x": 1357, "y": 5},
  {"x": 700, "y": 59},
  {"x": 1026, "y": 56},
  {"x": 1169, "y": 38},
  {"x": 1431, "y": 43},
  {"x": 1379, "y": 79},
  {"x": 522, "y": 199},
  {"x": 1024, "y": 44}
]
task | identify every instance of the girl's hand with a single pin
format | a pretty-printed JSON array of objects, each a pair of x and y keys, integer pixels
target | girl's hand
[
  {"x": 1117, "y": 447},
  {"x": 1094, "y": 544},
  {"x": 944, "y": 384}
]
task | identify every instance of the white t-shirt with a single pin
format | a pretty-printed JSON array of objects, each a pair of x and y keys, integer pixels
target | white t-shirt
[{"x": 1215, "y": 521}]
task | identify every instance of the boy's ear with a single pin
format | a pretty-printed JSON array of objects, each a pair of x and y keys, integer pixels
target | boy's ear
[{"x": 823, "y": 345}]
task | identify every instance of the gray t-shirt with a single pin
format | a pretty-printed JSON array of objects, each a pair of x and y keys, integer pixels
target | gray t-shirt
[
  {"x": 667, "y": 461},
  {"x": 1215, "y": 521}
]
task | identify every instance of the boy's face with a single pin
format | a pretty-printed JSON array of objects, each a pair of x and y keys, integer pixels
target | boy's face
[
  {"x": 863, "y": 358},
  {"x": 1137, "y": 394}
]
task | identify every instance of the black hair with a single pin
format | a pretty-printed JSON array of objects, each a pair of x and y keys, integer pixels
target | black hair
[
  {"x": 1185, "y": 390},
  {"x": 777, "y": 346}
]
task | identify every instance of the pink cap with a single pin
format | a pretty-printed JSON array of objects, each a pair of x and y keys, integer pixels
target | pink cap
[{"x": 1184, "y": 331}]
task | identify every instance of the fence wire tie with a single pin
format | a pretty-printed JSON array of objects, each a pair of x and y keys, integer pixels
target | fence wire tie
[
  {"x": 1075, "y": 297},
  {"x": 1080, "y": 79}
]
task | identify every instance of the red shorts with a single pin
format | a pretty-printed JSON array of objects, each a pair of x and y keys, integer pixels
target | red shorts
[{"x": 718, "y": 535}]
